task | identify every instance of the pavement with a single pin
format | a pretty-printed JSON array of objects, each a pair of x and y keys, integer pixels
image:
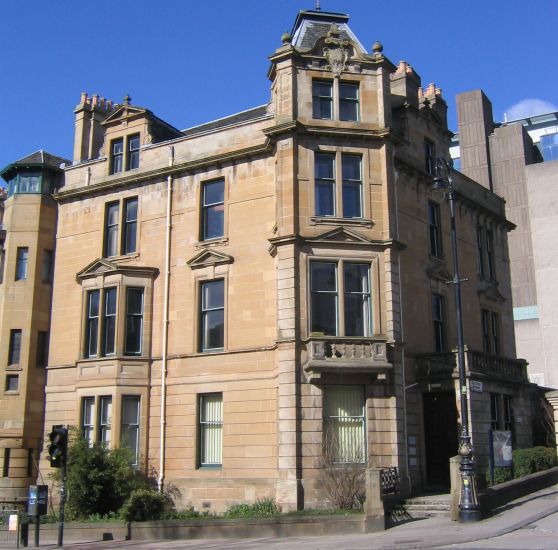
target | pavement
[{"x": 421, "y": 533}]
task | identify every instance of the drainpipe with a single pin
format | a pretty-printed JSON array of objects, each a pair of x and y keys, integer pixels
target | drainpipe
[{"x": 165, "y": 330}]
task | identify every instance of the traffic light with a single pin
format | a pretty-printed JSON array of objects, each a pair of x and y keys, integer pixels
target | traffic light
[{"x": 58, "y": 447}]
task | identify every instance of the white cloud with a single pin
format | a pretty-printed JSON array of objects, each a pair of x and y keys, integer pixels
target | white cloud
[{"x": 529, "y": 107}]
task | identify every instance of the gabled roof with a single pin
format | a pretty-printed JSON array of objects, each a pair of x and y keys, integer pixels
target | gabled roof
[{"x": 311, "y": 25}]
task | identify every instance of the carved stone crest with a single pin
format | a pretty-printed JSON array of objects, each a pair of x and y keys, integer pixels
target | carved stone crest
[{"x": 336, "y": 51}]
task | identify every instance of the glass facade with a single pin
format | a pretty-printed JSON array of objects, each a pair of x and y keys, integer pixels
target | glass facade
[{"x": 549, "y": 146}]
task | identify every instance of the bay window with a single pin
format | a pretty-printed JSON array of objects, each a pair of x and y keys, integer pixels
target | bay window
[
  {"x": 102, "y": 318},
  {"x": 340, "y": 298},
  {"x": 130, "y": 426},
  {"x": 338, "y": 193}
]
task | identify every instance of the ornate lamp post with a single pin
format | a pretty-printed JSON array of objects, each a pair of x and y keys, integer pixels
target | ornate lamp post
[{"x": 469, "y": 509}]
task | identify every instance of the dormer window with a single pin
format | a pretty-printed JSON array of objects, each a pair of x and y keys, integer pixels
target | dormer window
[
  {"x": 335, "y": 100},
  {"x": 116, "y": 156},
  {"x": 133, "y": 152},
  {"x": 121, "y": 157}
]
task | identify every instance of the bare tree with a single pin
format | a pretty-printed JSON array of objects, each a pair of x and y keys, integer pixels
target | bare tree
[{"x": 342, "y": 473}]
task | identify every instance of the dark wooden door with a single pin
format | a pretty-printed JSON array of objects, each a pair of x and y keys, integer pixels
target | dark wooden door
[{"x": 440, "y": 430}]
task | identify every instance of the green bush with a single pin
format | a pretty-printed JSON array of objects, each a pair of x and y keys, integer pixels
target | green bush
[
  {"x": 260, "y": 508},
  {"x": 99, "y": 480},
  {"x": 145, "y": 505},
  {"x": 529, "y": 461},
  {"x": 525, "y": 462},
  {"x": 501, "y": 474}
]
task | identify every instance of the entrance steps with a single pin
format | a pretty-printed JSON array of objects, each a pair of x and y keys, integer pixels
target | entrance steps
[{"x": 427, "y": 506}]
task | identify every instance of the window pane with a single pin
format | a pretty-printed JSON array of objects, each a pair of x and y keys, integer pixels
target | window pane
[
  {"x": 352, "y": 200},
  {"x": 352, "y": 186},
  {"x": 213, "y": 295},
  {"x": 213, "y": 315},
  {"x": 323, "y": 285},
  {"x": 357, "y": 300},
  {"x": 130, "y": 226},
  {"x": 211, "y": 430},
  {"x": 344, "y": 433},
  {"x": 134, "y": 321},
  {"x": 117, "y": 155},
  {"x": 111, "y": 230},
  {"x": 214, "y": 329},
  {"x": 130, "y": 426},
  {"x": 325, "y": 199},
  {"x": 325, "y": 184},
  {"x": 325, "y": 166},
  {"x": 92, "y": 329},
  {"x": 348, "y": 102},
  {"x": 21, "y": 263},
  {"x": 322, "y": 100},
  {"x": 213, "y": 192},
  {"x": 213, "y": 209},
  {"x": 105, "y": 420},
  {"x": 214, "y": 222},
  {"x": 110, "y": 321},
  {"x": 87, "y": 424},
  {"x": 12, "y": 382},
  {"x": 14, "y": 351},
  {"x": 133, "y": 151}
]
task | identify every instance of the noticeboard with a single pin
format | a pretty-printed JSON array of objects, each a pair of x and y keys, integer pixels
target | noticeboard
[{"x": 502, "y": 448}]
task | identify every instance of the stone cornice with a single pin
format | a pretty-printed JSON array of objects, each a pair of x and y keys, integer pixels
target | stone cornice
[
  {"x": 164, "y": 171},
  {"x": 424, "y": 178},
  {"x": 295, "y": 126}
]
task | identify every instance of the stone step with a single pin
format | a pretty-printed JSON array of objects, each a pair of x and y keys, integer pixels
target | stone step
[{"x": 424, "y": 507}]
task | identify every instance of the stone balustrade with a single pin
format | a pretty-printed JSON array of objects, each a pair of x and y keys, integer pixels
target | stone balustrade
[
  {"x": 432, "y": 365},
  {"x": 337, "y": 354}
]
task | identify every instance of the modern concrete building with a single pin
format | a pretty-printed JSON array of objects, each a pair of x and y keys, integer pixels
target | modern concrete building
[
  {"x": 518, "y": 161},
  {"x": 242, "y": 301}
]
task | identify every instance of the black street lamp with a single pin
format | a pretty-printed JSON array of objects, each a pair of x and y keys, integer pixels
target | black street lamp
[{"x": 469, "y": 509}]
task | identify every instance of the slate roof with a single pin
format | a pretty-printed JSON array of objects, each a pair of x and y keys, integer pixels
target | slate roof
[
  {"x": 310, "y": 26},
  {"x": 243, "y": 116},
  {"x": 43, "y": 158},
  {"x": 38, "y": 158}
]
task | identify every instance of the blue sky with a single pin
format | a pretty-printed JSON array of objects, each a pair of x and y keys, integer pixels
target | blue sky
[{"x": 190, "y": 61}]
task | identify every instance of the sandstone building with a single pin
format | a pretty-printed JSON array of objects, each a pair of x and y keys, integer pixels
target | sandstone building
[{"x": 233, "y": 300}]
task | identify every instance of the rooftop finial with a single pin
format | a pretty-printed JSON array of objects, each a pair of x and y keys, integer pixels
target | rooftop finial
[
  {"x": 127, "y": 99},
  {"x": 318, "y": 8}
]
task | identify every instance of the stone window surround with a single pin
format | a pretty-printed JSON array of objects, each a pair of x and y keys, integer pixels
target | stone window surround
[
  {"x": 126, "y": 153},
  {"x": 119, "y": 280},
  {"x": 336, "y": 96},
  {"x": 116, "y": 393},
  {"x": 215, "y": 175},
  {"x": 347, "y": 257},
  {"x": 122, "y": 201},
  {"x": 364, "y": 153},
  {"x": 204, "y": 275}
]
